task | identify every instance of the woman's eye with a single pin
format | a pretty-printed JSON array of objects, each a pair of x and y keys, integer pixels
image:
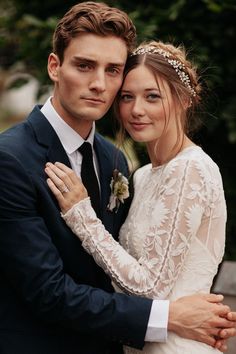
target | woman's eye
[
  {"x": 126, "y": 97},
  {"x": 153, "y": 96}
]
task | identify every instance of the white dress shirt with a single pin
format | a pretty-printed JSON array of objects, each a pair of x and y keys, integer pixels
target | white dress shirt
[
  {"x": 71, "y": 141},
  {"x": 69, "y": 138}
]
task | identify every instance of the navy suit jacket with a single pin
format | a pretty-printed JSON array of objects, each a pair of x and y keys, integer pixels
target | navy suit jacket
[{"x": 53, "y": 296}]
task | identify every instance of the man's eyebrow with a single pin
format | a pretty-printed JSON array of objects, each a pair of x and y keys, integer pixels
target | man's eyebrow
[
  {"x": 78, "y": 58},
  {"x": 91, "y": 61},
  {"x": 117, "y": 64},
  {"x": 146, "y": 89}
]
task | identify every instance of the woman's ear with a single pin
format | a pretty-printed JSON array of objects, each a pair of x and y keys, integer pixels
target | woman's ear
[
  {"x": 53, "y": 66},
  {"x": 187, "y": 102}
]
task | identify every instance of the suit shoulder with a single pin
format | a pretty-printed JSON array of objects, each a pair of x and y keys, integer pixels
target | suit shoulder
[
  {"x": 13, "y": 137},
  {"x": 110, "y": 152},
  {"x": 105, "y": 141},
  {"x": 108, "y": 146}
]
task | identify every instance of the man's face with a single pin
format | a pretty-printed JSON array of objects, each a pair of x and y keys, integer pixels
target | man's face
[{"x": 88, "y": 80}]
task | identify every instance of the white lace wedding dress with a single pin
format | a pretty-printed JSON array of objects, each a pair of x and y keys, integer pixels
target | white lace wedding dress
[{"x": 172, "y": 240}]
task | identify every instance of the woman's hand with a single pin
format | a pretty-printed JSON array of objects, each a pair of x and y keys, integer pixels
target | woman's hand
[{"x": 65, "y": 185}]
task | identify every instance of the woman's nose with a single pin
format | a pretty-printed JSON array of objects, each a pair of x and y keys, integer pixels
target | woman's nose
[{"x": 138, "y": 108}]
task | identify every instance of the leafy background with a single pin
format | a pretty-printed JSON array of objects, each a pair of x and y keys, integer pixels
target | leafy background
[{"x": 206, "y": 28}]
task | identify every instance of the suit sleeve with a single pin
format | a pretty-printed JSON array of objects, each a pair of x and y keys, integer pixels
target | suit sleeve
[{"x": 33, "y": 267}]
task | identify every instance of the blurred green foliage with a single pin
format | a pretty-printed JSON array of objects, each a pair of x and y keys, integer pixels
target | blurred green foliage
[{"x": 206, "y": 28}]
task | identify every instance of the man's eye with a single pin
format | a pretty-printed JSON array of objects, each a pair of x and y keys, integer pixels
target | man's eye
[
  {"x": 113, "y": 70},
  {"x": 83, "y": 67}
]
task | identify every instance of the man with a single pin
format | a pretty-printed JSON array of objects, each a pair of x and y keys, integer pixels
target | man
[{"x": 54, "y": 298}]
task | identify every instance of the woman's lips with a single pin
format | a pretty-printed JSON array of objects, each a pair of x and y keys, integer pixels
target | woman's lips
[{"x": 138, "y": 126}]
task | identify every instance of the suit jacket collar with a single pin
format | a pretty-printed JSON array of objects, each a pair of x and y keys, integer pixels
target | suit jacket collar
[
  {"x": 105, "y": 169},
  {"x": 46, "y": 136}
]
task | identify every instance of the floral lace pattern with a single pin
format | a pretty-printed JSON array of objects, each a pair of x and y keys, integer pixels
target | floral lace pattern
[{"x": 173, "y": 238}]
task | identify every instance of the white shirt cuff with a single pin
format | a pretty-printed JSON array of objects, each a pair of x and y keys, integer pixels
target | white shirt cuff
[{"x": 158, "y": 322}]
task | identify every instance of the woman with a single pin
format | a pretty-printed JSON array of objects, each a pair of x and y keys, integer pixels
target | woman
[{"x": 173, "y": 238}]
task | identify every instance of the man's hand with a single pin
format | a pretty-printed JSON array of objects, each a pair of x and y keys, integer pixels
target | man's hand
[
  {"x": 231, "y": 316},
  {"x": 202, "y": 317},
  {"x": 226, "y": 333}
]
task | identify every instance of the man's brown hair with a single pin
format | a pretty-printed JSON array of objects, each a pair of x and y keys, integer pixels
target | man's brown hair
[{"x": 95, "y": 18}]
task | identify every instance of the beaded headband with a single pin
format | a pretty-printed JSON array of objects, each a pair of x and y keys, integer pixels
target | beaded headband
[{"x": 176, "y": 64}]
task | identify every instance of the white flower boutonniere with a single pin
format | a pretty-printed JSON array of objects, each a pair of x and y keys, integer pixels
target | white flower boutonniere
[{"x": 119, "y": 190}]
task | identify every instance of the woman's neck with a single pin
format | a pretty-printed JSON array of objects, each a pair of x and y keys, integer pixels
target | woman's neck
[{"x": 162, "y": 152}]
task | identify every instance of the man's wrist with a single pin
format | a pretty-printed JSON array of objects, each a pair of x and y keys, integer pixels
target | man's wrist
[
  {"x": 158, "y": 320},
  {"x": 172, "y": 317}
]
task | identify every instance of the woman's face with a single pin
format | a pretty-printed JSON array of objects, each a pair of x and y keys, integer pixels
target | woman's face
[{"x": 146, "y": 106}]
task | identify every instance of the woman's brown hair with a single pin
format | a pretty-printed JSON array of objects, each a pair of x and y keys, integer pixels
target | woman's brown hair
[{"x": 170, "y": 64}]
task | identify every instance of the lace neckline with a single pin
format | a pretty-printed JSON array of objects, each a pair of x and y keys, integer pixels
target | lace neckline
[{"x": 159, "y": 167}]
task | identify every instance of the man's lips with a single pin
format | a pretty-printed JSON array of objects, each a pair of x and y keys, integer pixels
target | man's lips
[{"x": 93, "y": 100}]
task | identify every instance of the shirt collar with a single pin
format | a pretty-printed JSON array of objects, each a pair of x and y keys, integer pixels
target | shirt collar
[{"x": 69, "y": 138}]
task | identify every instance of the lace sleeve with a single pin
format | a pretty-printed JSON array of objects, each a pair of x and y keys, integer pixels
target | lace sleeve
[{"x": 184, "y": 194}]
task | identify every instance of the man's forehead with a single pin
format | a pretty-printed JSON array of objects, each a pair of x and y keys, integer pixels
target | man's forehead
[{"x": 109, "y": 49}]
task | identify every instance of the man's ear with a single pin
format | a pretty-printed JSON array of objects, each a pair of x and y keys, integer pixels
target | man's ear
[{"x": 53, "y": 66}]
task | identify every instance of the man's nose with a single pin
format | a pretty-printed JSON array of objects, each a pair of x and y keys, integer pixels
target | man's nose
[{"x": 98, "y": 81}]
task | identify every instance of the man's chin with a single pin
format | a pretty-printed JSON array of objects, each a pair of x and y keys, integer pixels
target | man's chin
[{"x": 94, "y": 114}]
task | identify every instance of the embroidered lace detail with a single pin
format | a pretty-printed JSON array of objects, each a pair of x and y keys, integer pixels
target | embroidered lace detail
[
  {"x": 172, "y": 240},
  {"x": 174, "y": 206}
]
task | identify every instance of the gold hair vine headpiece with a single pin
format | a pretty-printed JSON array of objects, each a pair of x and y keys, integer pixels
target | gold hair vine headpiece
[{"x": 176, "y": 64}]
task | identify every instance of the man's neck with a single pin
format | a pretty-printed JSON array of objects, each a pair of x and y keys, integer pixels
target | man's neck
[{"x": 82, "y": 127}]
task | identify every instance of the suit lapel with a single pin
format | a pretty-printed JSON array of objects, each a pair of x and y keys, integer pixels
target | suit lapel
[
  {"x": 105, "y": 170},
  {"x": 45, "y": 135},
  {"x": 56, "y": 152},
  {"x": 107, "y": 159}
]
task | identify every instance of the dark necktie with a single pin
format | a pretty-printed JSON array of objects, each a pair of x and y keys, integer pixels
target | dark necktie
[{"x": 89, "y": 177}]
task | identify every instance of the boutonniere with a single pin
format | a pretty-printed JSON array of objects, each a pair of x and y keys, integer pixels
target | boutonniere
[{"x": 119, "y": 190}]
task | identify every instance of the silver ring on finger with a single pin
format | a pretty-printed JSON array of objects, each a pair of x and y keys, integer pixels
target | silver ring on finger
[{"x": 65, "y": 190}]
